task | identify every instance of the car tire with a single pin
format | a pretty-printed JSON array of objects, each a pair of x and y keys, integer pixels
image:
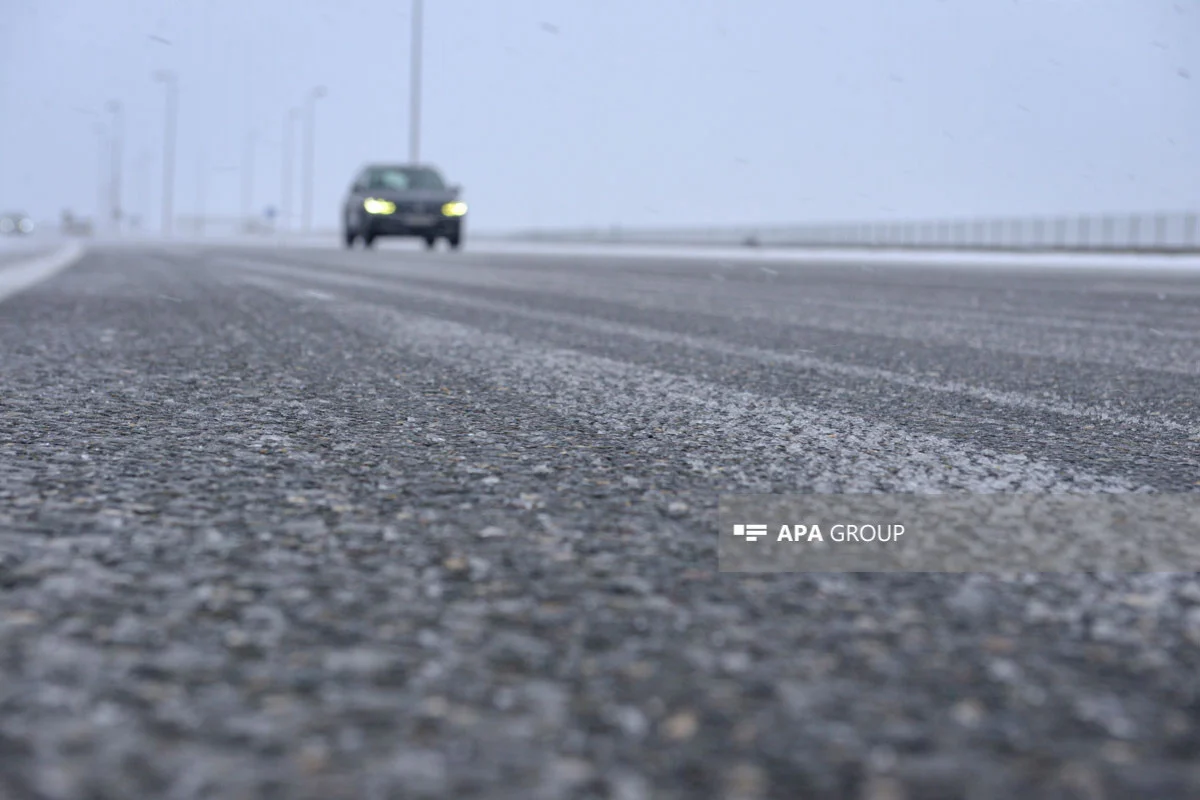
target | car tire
[
  {"x": 348, "y": 238},
  {"x": 430, "y": 242},
  {"x": 455, "y": 241},
  {"x": 368, "y": 239}
]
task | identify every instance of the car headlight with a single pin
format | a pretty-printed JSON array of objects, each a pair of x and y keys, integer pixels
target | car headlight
[
  {"x": 375, "y": 206},
  {"x": 454, "y": 209},
  {"x": 6, "y": 225},
  {"x": 26, "y": 226}
]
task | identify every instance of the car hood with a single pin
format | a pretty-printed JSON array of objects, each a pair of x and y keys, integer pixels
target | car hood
[{"x": 415, "y": 195}]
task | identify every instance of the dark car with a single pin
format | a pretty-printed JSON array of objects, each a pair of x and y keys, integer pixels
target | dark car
[
  {"x": 15, "y": 224},
  {"x": 403, "y": 200}
]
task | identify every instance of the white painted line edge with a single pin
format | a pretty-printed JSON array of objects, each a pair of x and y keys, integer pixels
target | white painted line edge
[
  {"x": 734, "y": 256},
  {"x": 21, "y": 275}
]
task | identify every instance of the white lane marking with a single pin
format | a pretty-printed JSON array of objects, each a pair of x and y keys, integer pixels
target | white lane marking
[
  {"x": 954, "y": 327},
  {"x": 791, "y": 359},
  {"x": 755, "y": 441},
  {"x": 943, "y": 314},
  {"x": 23, "y": 274},
  {"x": 939, "y": 258},
  {"x": 319, "y": 295},
  {"x": 944, "y": 303}
]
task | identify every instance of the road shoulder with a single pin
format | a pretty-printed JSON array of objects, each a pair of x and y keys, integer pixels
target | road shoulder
[{"x": 20, "y": 274}]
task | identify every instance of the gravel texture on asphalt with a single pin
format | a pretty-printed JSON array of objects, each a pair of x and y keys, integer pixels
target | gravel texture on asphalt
[{"x": 309, "y": 524}]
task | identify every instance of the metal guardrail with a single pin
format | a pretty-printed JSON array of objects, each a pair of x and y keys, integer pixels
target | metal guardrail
[{"x": 1173, "y": 232}]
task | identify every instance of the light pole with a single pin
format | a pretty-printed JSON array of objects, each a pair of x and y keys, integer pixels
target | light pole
[
  {"x": 248, "y": 178},
  {"x": 103, "y": 144},
  {"x": 285, "y": 203},
  {"x": 101, "y": 173},
  {"x": 314, "y": 95},
  {"x": 114, "y": 107},
  {"x": 201, "y": 186},
  {"x": 202, "y": 156},
  {"x": 170, "y": 80},
  {"x": 141, "y": 170},
  {"x": 414, "y": 114}
]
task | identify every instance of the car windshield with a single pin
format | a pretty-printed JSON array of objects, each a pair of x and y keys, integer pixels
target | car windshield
[{"x": 404, "y": 178}]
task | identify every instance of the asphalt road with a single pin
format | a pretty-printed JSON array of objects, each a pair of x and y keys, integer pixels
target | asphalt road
[
  {"x": 14, "y": 250},
  {"x": 315, "y": 524}
]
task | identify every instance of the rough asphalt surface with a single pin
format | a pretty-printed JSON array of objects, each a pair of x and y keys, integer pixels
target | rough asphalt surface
[{"x": 315, "y": 524}]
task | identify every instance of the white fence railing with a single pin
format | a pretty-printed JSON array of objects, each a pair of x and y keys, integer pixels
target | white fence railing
[
  {"x": 1176, "y": 232},
  {"x": 1154, "y": 232}
]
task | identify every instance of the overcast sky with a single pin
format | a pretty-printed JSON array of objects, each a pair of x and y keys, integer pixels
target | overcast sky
[{"x": 598, "y": 112}]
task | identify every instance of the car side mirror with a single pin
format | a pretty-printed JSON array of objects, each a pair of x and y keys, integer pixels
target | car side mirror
[
  {"x": 456, "y": 188},
  {"x": 358, "y": 187}
]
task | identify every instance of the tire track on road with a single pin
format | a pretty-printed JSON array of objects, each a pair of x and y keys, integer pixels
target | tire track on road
[
  {"x": 791, "y": 447},
  {"x": 1012, "y": 399}
]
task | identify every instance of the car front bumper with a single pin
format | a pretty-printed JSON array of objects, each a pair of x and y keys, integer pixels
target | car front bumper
[{"x": 410, "y": 225}]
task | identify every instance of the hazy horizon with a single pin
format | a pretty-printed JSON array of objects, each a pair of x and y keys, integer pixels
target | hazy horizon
[{"x": 664, "y": 112}]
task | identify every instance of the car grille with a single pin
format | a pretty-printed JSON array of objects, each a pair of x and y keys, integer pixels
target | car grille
[{"x": 414, "y": 207}]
